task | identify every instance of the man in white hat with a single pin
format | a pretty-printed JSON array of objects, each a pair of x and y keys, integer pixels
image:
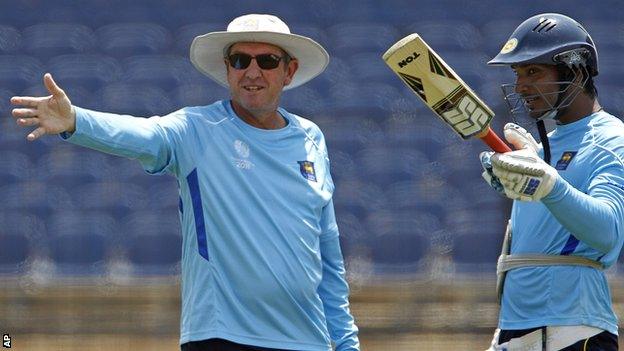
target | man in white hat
[{"x": 261, "y": 262}]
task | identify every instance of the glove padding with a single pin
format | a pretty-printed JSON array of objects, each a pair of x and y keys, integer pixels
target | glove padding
[
  {"x": 520, "y": 174},
  {"x": 523, "y": 174},
  {"x": 488, "y": 174}
]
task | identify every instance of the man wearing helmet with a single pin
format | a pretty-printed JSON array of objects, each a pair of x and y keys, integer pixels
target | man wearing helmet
[{"x": 567, "y": 218}]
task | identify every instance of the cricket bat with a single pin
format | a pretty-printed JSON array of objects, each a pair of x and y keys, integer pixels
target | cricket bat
[{"x": 440, "y": 88}]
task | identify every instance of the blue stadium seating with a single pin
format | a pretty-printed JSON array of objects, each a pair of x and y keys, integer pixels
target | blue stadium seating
[
  {"x": 315, "y": 101},
  {"x": 349, "y": 133},
  {"x": 22, "y": 223},
  {"x": 155, "y": 254},
  {"x": 407, "y": 196},
  {"x": 429, "y": 191},
  {"x": 495, "y": 34},
  {"x": 46, "y": 40},
  {"x": 152, "y": 242},
  {"x": 79, "y": 254},
  {"x": 10, "y": 40},
  {"x": 385, "y": 165},
  {"x": 418, "y": 129},
  {"x": 363, "y": 99},
  {"x": 115, "y": 198},
  {"x": 399, "y": 252},
  {"x": 316, "y": 32},
  {"x": 165, "y": 71},
  {"x": 14, "y": 253},
  {"x": 198, "y": 93},
  {"x": 448, "y": 35},
  {"x": 611, "y": 98},
  {"x": 15, "y": 167},
  {"x": 89, "y": 71},
  {"x": 164, "y": 196},
  {"x": 343, "y": 166},
  {"x": 328, "y": 13},
  {"x": 13, "y": 137},
  {"x": 128, "y": 171},
  {"x": 337, "y": 71},
  {"x": 367, "y": 67},
  {"x": 402, "y": 178},
  {"x": 359, "y": 197},
  {"x": 353, "y": 232},
  {"x": 133, "y": 99},
  {"x": 184, "y": 36},
  {"x": 492, "y": 220},
  {"x": 400, "y": 240},
  {"x": 608, "y": 35},
  {"x": 150, "y": 222},
  {"x": 101, "y": 223},
  {"x": 20, "y": 234},
  {"x": 128, "y": 39},
  {"x": 470, "y": 66},
  {"x": 492, "y": 94},
  {"x": 5, "y": 106},
  {"x": 33, "y": 197},
  {"x": 67, "y": 166},
  {"x": 353, "y": 37},
  {"x": 20, "y": 71},
  {"x": 476, "y": 252},
  {"x": 609, "y": 66}
]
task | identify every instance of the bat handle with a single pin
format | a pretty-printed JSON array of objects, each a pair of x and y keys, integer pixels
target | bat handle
[{"x": 494, "y": 141}]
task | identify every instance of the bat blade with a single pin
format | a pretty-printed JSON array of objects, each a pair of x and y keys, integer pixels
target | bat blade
[{"x": 442, "y": 90}]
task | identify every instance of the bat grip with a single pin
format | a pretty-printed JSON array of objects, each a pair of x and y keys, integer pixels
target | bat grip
[{"x": 494, "y": 141}]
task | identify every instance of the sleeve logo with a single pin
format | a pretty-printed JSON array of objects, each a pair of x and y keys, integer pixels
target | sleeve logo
[
  {"x": 307, "y": 170},
  {"x": 565, "y": 160}
]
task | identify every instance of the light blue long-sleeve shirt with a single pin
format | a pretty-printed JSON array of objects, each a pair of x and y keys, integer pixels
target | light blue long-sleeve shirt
[
  {"x": 582, "y": 216},
  {"x": 261, "y": 261}
]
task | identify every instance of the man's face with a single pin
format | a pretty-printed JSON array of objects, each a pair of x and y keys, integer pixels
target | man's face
[
  {"x": 536, "y": 84},
  {"x": 255, "y": 89}
]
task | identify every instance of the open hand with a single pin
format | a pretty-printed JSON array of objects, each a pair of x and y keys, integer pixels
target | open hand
[{"x": 51, "y": 114}]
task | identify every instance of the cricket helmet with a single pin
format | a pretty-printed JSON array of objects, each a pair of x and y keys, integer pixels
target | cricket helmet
[{"x": 552, "y": 39}]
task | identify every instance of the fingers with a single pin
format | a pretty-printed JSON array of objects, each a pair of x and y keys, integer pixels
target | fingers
[
  {"x": 50, "y": 84},
  {"x": 35, "y": 134},
  {"x": 27, "y": 101},
  {"x": 519, "y": 137},
  {"x": 24, "y": 112},
  {"x": 28, "y": 122}
]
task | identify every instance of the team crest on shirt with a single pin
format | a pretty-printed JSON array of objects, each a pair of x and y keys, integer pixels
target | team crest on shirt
[
  {"x": 565, "y": 160},
  {"x": 307, "y": 170},
  {"x": 242, "y": 149}
]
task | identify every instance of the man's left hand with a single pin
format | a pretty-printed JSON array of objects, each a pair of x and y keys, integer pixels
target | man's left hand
[{"x": 523, "y": 174}]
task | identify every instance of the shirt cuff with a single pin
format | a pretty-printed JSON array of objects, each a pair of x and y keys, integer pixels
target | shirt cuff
[{"x": 79, "y": 118}]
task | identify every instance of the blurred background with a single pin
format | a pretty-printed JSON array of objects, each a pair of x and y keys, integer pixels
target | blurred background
[{"x": 90, "y": 244}]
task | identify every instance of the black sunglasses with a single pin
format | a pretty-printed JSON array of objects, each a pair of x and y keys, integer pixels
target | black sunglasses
[{"x": 265, "y": 61}]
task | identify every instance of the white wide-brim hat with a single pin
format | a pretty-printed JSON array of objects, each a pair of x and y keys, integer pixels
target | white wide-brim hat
[{"x": 207, "y": 51}]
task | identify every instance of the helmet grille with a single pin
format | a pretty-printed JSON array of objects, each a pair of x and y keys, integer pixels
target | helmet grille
[{"x": 545, "y": 25}]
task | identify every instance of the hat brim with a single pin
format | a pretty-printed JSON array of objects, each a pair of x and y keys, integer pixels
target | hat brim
[{"x": 207, "y": 53}]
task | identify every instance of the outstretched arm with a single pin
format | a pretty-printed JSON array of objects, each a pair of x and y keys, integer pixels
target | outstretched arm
[{"x": 152, "y": 141}]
